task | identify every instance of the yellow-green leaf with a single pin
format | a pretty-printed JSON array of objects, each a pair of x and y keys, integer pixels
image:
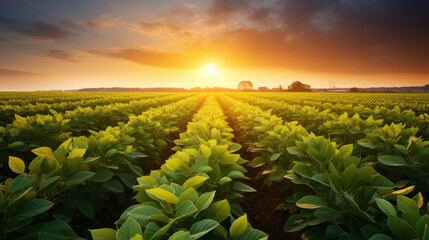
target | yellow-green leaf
[
  {"x": 103, "y": 234},
  {"x": 16, "y": 165},
  {"x": 193, "y": 181},
  {"x": 163, "y": 195},
  {"x": 238, "y": 226}
]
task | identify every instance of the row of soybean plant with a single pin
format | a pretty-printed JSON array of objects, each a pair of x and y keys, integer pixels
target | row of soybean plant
[
  {"x": 334, "y": 193},
  {"x": 65, "y": 190},
  {"x": 418, "y": 102},
  {"x": 62, "y": 104},
  {"x": 27, "y": 133},
  {"x": 393, "y": 145},
  {"x": 192, "y": 195},
  {"x": 348, "y": 126}
]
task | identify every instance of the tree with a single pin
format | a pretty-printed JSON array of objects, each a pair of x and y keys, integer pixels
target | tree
[
  {"x": 354, "y": 89},
  {"x": 298, "y": 86}
]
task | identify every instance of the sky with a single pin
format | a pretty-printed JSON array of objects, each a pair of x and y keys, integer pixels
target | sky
[{"x": 51, "y": 44}]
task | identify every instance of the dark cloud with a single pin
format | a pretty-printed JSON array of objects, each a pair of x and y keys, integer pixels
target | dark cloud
[
  {"x": 17, "y": 73},
  {"x": 37, "y": 30},
  {"x": 337, "y": 36},
  {"x": 329, "y": 36},
  {"x": 221, "y": 11},
  {"x": 44, "y": 31},
  {"x": 6, "y": 21},
  {"x": 177, "y": 20},
  {"x": 94, "y": 25},
  {"x": 61, "y": 55},
  {"x": 5, "y": 40},
  {"x": 151, "y": 58}
]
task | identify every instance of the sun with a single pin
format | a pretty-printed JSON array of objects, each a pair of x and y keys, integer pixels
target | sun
[{"x": 210, "y": 68}]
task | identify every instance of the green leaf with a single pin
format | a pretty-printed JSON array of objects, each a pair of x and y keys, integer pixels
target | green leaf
[
  {"x": 16, "y": 165},
  {"x": 202, "y": 227},
  {"x": 369, "y": 230},
  {"x": 150, "y": 230},
  {"x": 185, "y": 209},
  {"x": 239, "y": 186},
  {"x": 392, "y": 160},
  {"x": 236, "y": 174},
  {"x": 137, "y": 237},
  {"x": 219, "y": 210},
  {"x": 111, "y": 152},
  {"x": 407, "y": 205},
  {"x": 114, "y": 186},
  {"x": 136, "y": 169},
  {"x": 205, "y": 169},
  {"x": 311, "y": 202},
  {"x": 47, "y": 182},
  {"x": 189, "y": 194},
  {"x": 302, "y": 170},
  {"x": 367, "y": 144},
  {"x": 102, "y": 175},
  {"x": 252, "y": 234},
  {"x": 160, "y": 233},
  {"x": 275, "y": 156},
  {"x": 380, "y": 236},
  {"x": 43, "y": 152},
  {"x": 76, "y": 153},
  {"x": 164, "y": 195},
  {"x": 79, "y": 177},
  {"x": 400, "y": 228},
  {"x": 238, "y": 226},
  {"x": 15, "y": 144},
  {"x": 86, "y": 208},
  {"x": 193, "y": 181},
  {"x": 298, "y": 222},
  {"x": 128, "y": 230},
  {"x": 381, "y": 182},
  {"x": 56, "y": 229},
  {"x": 386, "y": 206},
  {"x": 225, "y": 180},
  {"x": 140, "y": 214},
  {"x": 205, "y": 200},
  {"x": 103, "y": 234},
  {"x": 32, "y": 208},
  {"x": 426, "y": 233},
  {"x": 20, "y": 182},
  {"x": 180, "y": 235},
  {"x": 421, "y": 225},
  {"x": 206, "y": 151}
]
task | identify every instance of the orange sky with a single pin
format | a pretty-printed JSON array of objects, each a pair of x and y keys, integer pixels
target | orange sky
[{"x": 78, "y": 44}]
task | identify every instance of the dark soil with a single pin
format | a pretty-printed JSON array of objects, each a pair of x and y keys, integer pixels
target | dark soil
[{"x": 260, "y": 206}]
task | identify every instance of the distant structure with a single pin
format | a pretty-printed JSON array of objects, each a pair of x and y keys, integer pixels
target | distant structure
[
  {"x": 298, "y": 86},
  {"x": 262, "y": 88},
  {"x": 245, "y": 85}
]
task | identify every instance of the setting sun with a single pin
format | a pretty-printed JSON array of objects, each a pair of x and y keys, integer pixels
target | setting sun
[{"x": 210, "y": 68}]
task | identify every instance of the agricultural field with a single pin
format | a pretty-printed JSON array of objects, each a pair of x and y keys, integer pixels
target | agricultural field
[{"x": 230, "y": 165}]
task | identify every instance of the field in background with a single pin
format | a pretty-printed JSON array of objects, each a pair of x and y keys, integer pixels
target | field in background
[{"x": 214, "y": 165}]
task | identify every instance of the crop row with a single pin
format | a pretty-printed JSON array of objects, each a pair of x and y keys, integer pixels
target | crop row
[
  {"x": 65, "y": 190},
  {"x": 405, "y": 101},
  {"x": 8, "y": 111},
  {"x": 345, "y": 126},
  {"x": 192, "y": 195},
  {"x": 51, "y": 130},
  {"x": 23, "y": 98},
  {"x": 336, "y": 192}
]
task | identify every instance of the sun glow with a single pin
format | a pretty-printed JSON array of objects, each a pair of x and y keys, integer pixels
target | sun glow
[{"x": 210, "y": 68}]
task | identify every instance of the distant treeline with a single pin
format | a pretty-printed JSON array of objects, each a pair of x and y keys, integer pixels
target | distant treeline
[{"x": 218, "y": 89}]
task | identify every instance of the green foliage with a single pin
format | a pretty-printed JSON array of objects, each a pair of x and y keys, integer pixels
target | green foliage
[{"x": 186, "y": 198}]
